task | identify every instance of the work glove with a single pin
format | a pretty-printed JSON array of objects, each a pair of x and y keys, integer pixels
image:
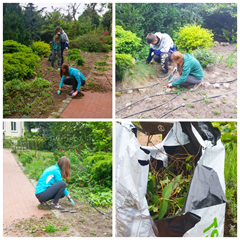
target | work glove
[
  {"x": 59, "y": 91},
  {"x": 70, "y": 200}
]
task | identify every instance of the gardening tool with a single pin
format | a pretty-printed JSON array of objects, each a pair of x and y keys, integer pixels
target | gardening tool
[
  {"x": 63, "y": 211},
  {"x": 70, "y": 200},
  {"x": 171, "y": 76},
  {"x": 59, "y": 91}
]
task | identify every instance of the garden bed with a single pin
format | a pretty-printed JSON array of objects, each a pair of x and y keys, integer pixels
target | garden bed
[
  {"x": 42, "y": 102},
  {"x": 86, "y": 222},
  {"x": 221, "y": 107}
]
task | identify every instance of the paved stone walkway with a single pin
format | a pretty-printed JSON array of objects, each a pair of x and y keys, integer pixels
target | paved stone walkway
[
  {"x": 93, "y": 104},
  {"x": 19, "y": 200}
]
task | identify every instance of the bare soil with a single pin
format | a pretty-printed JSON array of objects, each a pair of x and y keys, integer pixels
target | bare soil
[
  {"x": 86, "y": 222},
  {"x": 221, "y": 107}
]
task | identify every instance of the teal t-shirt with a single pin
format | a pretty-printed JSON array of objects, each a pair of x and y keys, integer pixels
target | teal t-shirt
[{"x": 191, "y": 66}]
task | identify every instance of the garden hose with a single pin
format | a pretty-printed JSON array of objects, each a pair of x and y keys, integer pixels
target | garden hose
[
  {"x": 90, "y": 202},
  {"x": 183, "y": 104},
  {"x": 158, "y": 94},
  {"x": 151, "y": 108}
]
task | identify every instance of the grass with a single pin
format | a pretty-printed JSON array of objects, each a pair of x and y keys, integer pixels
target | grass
[
  {"x": 138, "y": 76},
  {"x": 230, "y": 172}
]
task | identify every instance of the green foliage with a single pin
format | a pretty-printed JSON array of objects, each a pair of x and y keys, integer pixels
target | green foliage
[
  {"x": 11, "y": 46},
  {"x": 41, "y": 48},
  {"x": 40, "y": 83},
  {"x": 26, "y": 159},
  {"x": 231, "y": 59},
  {"x": 126, "y": 42},
  {"x": 50, "y": 228},
  {"x": 191, "y": 37},
  {"x": 19, "y": 64},
  {"x": 101, "y": 198},
  {"x": 14, "y": 24},
  {"x": 123, "y": 62},
  {"x": 205, "y": 56},
  {"x": 74, "y": 55},
  {"x": 228, "y": 131},
  {"x": 90, "y": 42}
]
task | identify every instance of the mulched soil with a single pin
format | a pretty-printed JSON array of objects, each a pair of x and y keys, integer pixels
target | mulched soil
[{"x": 220, "y": 107}]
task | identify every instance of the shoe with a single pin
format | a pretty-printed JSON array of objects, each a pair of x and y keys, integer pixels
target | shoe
[
  {"x": 70, "y": 94},
  {"x": 58, "y": 69},
  {"x": 56, "y": 206},
  {"x": 74, "y": 94},
  {"x": 163, "y": 75}
]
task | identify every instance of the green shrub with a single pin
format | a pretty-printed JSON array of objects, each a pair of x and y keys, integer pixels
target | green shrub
[
  {"x": 41, "y": 48},
  {"x": 40, "y": 83},
  {"x": 19, "y": 64},
  {"x": 73, "y": 44},
  {"x": 126, "y": 41},
  {"x": 90, "y": 42},
  {"x": 123, "y": 62},
  {"x": 205, "y": 56},
  {"x": 107, "y": 39},
  {"x": 25, "y": 159},
  {"x": 102, "y": 170},
  {"x": 106, "y": 48},
  {"x": 191, "y": 37},
  {"x": 74, "y": 55},
  {"x": 11, "y": 46}
]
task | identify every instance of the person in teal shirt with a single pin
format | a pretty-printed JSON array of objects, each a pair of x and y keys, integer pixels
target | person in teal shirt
[
  {"x": 189, "y": 68},
  {"x": 75, "y": 78},
  {"x": 56, "y": 49},
  {"x": 51, "y": 186}
]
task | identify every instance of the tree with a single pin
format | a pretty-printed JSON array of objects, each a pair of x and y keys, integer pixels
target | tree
[
  {"x": 29, "y": 126},
  {"x": 87, "y": 13},
  {"x": 33, "y": 21},
  {"x": 107, "y": 18},
  {"x": 14, "y": 25},
  {"x": 73, "y": 10}
]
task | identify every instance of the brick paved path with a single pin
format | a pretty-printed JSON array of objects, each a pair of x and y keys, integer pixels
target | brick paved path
[
  {"x": 19, "y": 200},
  {"x": 93, "y": 104}
]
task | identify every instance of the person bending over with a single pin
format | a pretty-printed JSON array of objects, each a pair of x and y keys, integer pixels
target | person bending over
[
  {"x": 189, "y": 68},
  {"x": 75, "y": 78},
  {"x": 161, "y": 49},
  {"x": 51, "y": 186}
]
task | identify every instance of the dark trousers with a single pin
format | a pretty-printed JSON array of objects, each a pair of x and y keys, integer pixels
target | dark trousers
[
  {"x": 71, "y": 81},
  {"x": 190, "y": 82},
  {"x": 62, "y": 50},
  {"x": 54, "y": 53},
  {"x": 163, "y": 59},
  {"x": 54, "y": 192}
]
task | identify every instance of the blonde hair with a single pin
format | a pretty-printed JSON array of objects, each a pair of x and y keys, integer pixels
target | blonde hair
[
  {"x": 64, "y": 164},
  {"x": 178, "y": 57}
]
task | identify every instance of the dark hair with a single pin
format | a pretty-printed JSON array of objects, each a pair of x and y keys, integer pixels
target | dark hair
[
  {"x": 64, "y": 164},
  {"x": 58, "y": 29},
  {"x": 151, "y": 38},
  {"x": 66, "y": 67}
]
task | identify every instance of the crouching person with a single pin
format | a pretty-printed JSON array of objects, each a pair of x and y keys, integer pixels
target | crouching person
[
  {"x": 71, "y": 76},
  {"x": 189, "y": 69},
  {"x": 161, "y": 49},
  {"x": 50, "y": 185}
]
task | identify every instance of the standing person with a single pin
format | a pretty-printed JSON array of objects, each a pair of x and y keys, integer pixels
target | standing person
[
  {"x": 64, "y": 41},
  {"x": 189, "y": 68},
  {"x": 56, "y": 49},
  {"x": 75, "y": 78},
  {"x": 46, "y": 189},
  {"x": 161, "y": 49}
]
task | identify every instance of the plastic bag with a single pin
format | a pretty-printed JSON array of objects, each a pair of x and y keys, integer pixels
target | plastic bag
[{"x": 204, "y": 208}]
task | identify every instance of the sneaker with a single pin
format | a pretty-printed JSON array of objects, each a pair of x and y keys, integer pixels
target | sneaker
[
  {"x": 70, "y": 94},
  {"x": 58, "y": 69},
  {"x": 56, "y": 206},
  {"x": 163, "y": 75}
]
